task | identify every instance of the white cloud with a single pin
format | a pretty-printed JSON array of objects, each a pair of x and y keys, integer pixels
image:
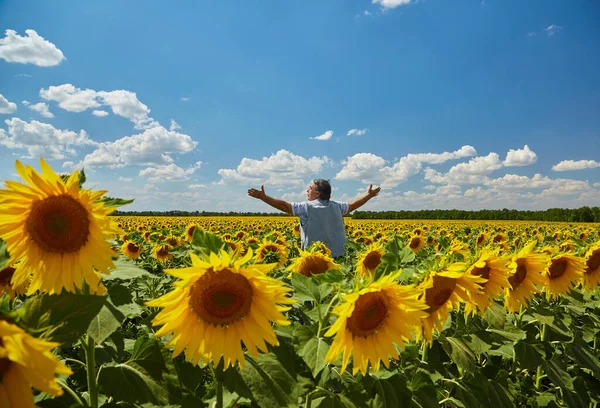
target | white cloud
[
  {"x": 170, "y": 172},
  {"x": 42, "y": 139},
  {"x": 42, "y": 109},
  {"x": 125, "y": 179},
  {"x": 150, "y": 148},
  {"x": 280, "y": 169},
  {"x": 6, "y": 106},
  {"x": 185, "y": 99},
  {"x": 174, "y": 125},
  {"x": 99, "y": 113},
  {"x": 26, "y": 103},
  {"x": 197, "y": 186},
  {"x": 122, "y": 103},
  {"x": 362, "y": 166},
  {"x": 473, "y": 172},
  {"x": 436, "y": 158},
  {"x": 520, "y": 157},
  {"x": 391, "y": 4},
  {"x": 567, "y": 165},
  {"x": 367, "y": 13},
  {"x": 325, "y": 136},
  {"x": 357, "y": 132},
  {"x": 30, "y": 49},
  {"x": 597, "y": 185},
  {"x": 552, "y": 29}
]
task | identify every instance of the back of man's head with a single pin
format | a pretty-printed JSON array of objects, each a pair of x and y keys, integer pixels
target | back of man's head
[{"x": 323, "y": 188}]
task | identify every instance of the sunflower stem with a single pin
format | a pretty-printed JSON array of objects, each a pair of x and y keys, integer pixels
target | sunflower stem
[
  {"x": 218, "y": 387},
  {"x": 539, "y": 374},
  {"x": 69, "y": 391},
  {"x": 425, "y": 352},
  {"x": 90, "y": 360}
]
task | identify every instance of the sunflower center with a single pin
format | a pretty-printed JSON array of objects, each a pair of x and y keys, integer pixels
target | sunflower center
[
  {"x": 480, "y": 239},
  {"x": 483, "y": 272},
  {"x": 58, "y": 224},
  {"x": 519, "y": 275},
  {"x": 370, "y": 311},
  {"x": 131, "y": 247},
  {"x": 414, "y": 243},
  {"x": 439, "y": 293},
  {"x": 6, "y": 275},
  {"x": 594, "y": 262},
  {"x": 557, "y": 268},
  {"x": 172, "y": 241},
  {"x": 372, "y": 260},
  {"x": 314, "y": 266},
  {"x": 163, "y": 251},
  {"x": 221, "y": 298}
]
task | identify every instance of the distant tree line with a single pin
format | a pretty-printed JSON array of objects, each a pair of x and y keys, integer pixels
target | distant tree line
[{"x": 583, "y": 214}]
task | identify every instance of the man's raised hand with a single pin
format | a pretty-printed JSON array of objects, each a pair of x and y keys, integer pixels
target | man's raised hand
[
  {"x": 260, "y": 194},
  {"x": 373, "y": 192}
]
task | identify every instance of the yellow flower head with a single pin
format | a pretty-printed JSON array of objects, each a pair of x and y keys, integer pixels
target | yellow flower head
[
  {"x": 271, "y": 252},
  {"x": 369, "y": 259},
  {"x": 25, "y": 362},
  {"x": 373, "y": 319},
  {"x": 562, "y": 273},
  {"x": 57, "y": 230},
  {"x": 312, "y": 263},
  {"x": 6, "y": 275},
  {"x": 320, "y": 247},
  {"x": 526, "y": 277},
  {"x": 219, "y": 303},
  {"x": 162, "y": 252},
  {"x": 496, "y": 272},
  {"x": 416, "y": 243},
  {"x": 591, "y": 275},
  {"x": 131, "y": 250}
]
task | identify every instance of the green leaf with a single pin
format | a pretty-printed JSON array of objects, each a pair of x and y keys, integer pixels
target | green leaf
[
  {"x": 331, "y": 276},
  {"x": 528, "y": 355},
  {"x": 206, "y": 242},
  {"x": 125, "y": 383},
  {"x": 498, "y": 396},
  {"x": 496, "y": 316},
  {"x": 545, "y": 398},
  {"x": 313, "y": 353},
  {"x": 115, "y": 202},
  {"x": 63, "y": 318},
  {"x": 557, "y": 373},
  {"x": 147, "y": 354},
  {"x": 460, "y": 353},
  {"x": 305, "y": 289},
  {"x": 386, "y": 396},
  {"x": 271, "y": 385},
  {"x": 406, "y": 256},
  {"x": 4, "y": 257},
  {"x": 125, "y": 270},
  {"x": 583, "y": 355},
  {"x": 105, "y": 323},
  {"x": 327, "y": 402},
  {"x": 510, "y": 333}
]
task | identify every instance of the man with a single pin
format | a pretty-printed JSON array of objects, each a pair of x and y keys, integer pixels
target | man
[{"x": 321, "y": 219}]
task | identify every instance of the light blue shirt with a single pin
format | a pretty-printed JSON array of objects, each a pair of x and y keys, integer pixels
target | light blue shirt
[{"x": 322, "y": 220}]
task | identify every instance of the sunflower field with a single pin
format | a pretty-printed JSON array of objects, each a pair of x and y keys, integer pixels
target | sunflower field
[{"x": 112, "y": 311}]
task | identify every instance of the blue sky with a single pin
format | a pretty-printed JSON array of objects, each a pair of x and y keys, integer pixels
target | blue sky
[{"x": 185, "y": 105}]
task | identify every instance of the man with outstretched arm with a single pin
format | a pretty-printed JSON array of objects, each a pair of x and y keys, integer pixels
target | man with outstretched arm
[{"x": 321, "y": 219}]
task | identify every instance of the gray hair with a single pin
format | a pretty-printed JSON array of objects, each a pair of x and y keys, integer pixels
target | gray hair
[{"x": 323, "y": 187}]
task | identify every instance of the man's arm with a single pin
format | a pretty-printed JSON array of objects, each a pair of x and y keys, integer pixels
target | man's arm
[
  {"x": 281, "y": 205},
  {"x": 362, "y": 200}
]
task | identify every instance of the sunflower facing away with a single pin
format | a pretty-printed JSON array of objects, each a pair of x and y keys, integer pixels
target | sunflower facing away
[
  {"x": 562, "y": 273},
  {"x": 416, "y": 243},
  {"x": 312, "y": 263},
  {"x": 320, "y": 247},
  {"x": 443, "y": 291},
  {"x": 369, "y": 259},
  {"x": 219, "y": 303},
  {"x": 56, "y": 229},
  {"x": 591, "y": 275},
  {"x": 24, "y": 362},
  {"x": 526, "y": 278},
  {"x": 271, "y": 252},
  {"x": 6, "y": 275},
  {"x": 496, "y": 272},
  {"x": 131, "y": 250},
  {"x": 371, "y": 320}
]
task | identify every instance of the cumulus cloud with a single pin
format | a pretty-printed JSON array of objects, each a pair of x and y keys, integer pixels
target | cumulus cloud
[
  {"x": 552, "y": 29},
  {"x": 567, "y": 165},
  {"x": 150, "y": 148},
  {"x": 282, "y": 169},
  {"x": 6, "y": 106},
  {"x": 325, "y": 136},
  {"x": 29, "y": 49},
  {"x": 475, "y": 171},
  {"x": 42, "y": 109},
  {"x": 197, "y": 186},
  {"x": 371, "y": 169},
  {"x": 184, "y": 99},
  {"x": 99, "y": 113},
  {"x": 122, "y": 103},
  {"x": 174, "y": 125},
  {"x": 357, "y": 132},
  {"x": 520, "y": 157},
  {"x": 170, "y": 172},
  {"x": 42, "y": 139},
  {"x": 124, "y": 179},
  {"x": 391, "y": 4}
]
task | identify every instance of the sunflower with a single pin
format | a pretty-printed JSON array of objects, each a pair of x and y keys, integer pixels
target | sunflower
[
  {"x": 459, "y": 247},
  {"x": 591, "y": 275},
  {"x": 131, "y": 250},
  {"x": 371, "y": 320},
  {"x": 189, "y": 231},
  {"x": 526, "y": 278},
  {"x": 146, "y": 236},
  {"x": 219, "y": 303},
  {"x": 562, "y": 273},
  {"x": 416, "y": 243},
  {"x": 271, "y": 252},
  {"x": 24, "y": 362},
  {"x": 57, "y": 230},
  {"x": 6, "y": 275},
  {"x": 369, "y": 259},
  {"x": 443, "y": 291},
  {"x": 173, "y": 241},
  {"x": 311, "y": 263},
  {"x": 495, "y": 271},
  {"x": 162, "y": 252},
  {"x": 481, "y": 240},
  {"x": 320, "y": 247}
]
